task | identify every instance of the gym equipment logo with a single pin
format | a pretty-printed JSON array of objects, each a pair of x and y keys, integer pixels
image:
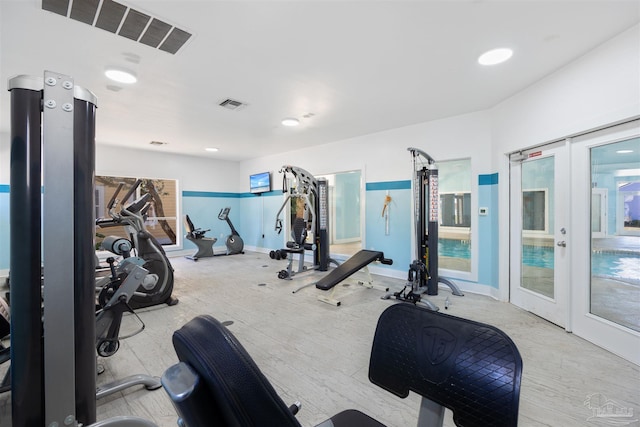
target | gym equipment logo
[{"x": 608, "y": 412}]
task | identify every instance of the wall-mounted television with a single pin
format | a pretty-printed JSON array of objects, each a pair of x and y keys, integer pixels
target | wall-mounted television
[{"x": 260, "y": 182}]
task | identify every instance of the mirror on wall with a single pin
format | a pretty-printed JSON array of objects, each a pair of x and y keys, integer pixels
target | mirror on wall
[
  {"x": 454, "y": 231},
  {"x": 345, "y": 209}
]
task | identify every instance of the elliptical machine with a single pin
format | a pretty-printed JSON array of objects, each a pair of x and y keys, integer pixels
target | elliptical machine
[
  {"x": 158, "y": 286},
  {"x": 234, "y": 242}
]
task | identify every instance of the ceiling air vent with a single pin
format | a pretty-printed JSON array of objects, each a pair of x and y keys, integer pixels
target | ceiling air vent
[
  {"x": 232, "y": 104},
  {"x": 158, "y": 143},
  {"x": 122, "y": 20}
]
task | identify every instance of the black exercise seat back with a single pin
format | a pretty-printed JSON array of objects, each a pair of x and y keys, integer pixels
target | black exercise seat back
[
  {"x": 299, "y": 235},
  {"x": 472, "y": 368},
  {"x": 188, "y": 225},
  {"x": 192, "y": 231},
  {"x": 238, "y": 393}
]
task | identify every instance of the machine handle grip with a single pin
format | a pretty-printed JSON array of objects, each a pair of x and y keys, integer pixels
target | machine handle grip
[
  {"x": 137, "y": 205},
  {"x": 131, "y": 190},
  {"x": 112, "y": 201}
]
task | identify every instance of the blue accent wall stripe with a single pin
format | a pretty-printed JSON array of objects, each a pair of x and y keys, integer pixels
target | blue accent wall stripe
[
  {"x": 215, "y": 194},
  {"x": 491, "y": 179},
  {"x": 389, "y": 185},
  {"x": 4, "y": 188},
  {"x": 267, "y": 194},
  {"x": 209, "y": 194}
]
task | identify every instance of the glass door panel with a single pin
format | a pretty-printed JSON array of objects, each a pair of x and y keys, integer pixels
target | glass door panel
[
  {"x": 537, "y": 259},
  {"x": 605, "y": 183},
  {"x": 615, "y": 259},
  {"x": 539, "y": 216}
]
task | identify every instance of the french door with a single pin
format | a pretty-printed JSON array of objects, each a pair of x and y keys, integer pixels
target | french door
[
  {"x": 540, "y": 233},
  {"x": 575, "y": 236}
]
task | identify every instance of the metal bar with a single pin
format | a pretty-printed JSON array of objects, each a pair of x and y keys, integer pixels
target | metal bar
[
  {"x": 58, "y": 243},
  {"x": 27, "y": 399},
  {"x": 431, "y": 414}
]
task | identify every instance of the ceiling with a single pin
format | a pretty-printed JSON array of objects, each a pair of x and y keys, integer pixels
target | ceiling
[{"x": 351, "y": 67}]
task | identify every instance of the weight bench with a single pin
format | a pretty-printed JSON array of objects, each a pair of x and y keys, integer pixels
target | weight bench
[
  {"x": 472, "y": 368},
  {"x": 196, "y": 236},
  {"x": 357, "y": 262}
]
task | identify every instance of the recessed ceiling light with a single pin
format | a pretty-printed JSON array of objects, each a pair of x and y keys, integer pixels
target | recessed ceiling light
[
  {"x": 212, "y": 149},
  {"x": 290, "y": 121},
  {"x": 121, "y": 76},
  {"x": 495, "y": 56},
  {"x": 624, "y": 151}
]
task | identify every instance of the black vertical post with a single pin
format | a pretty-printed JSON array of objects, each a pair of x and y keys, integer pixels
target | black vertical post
[
  {"x": 27, "y": 372},
  {"x": 84, "y": 274},
  {"x": 322, "y": 221},
  {"x": 432, "y": 229},
  {"x": 422, "y": 238}
]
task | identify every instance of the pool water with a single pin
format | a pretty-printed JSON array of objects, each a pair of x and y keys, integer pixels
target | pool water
[
  {"x": 454, "y": 248},
  {"x": 618, "y": 265}
]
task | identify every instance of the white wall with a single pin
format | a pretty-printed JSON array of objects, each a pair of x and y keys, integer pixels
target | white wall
[
  {"x": 193, "y": 173},
  {"x": 597, "y": 89},
  {"x": 385, "y": 153},
  {"x": 5, "y": 157}
]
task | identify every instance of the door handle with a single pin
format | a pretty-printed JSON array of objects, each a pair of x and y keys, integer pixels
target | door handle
[{"x": 562, "y": 244}]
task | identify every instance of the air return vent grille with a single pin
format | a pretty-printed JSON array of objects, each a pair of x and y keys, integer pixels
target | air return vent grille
[
  {"x": 232, "y": 104},
  {"x": 122, "y": 20}
]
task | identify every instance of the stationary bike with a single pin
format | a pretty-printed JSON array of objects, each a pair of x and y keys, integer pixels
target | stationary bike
[{"x": 234, "y": 242}]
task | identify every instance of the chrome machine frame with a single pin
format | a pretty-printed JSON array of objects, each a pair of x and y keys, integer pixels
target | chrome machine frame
[{"x": 315, "y": 194}]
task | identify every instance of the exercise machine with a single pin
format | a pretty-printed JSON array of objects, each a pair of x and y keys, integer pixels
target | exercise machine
[
  {"x": 359, "y": 261},
  {"x": 112, "y": 303},
  {"x": 147, "y": 247},
  {"x": 5, "y": 352},
  {"x": 423, "y": 277},
  {"x": 313, "y": 194},
  {"x": 297, "y": 245},
  {"x": 234, "y": 242},
  {"x": 53, "y": 328},
  {"x": 197, "y": 236}
]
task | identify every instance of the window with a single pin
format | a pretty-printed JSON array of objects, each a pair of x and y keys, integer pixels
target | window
[
  {"x": 535, "y": 211},
  {"x": 162, "y": 214},
  {"x": 455, "y": 210}
]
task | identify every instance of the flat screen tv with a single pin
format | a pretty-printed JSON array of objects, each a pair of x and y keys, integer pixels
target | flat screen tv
[{"x": 260, "y": 182}]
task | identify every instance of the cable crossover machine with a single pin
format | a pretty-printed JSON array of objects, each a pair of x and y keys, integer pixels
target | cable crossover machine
[
  {"x": 313, "y": 193},
  {"x": 423, "y": 271}
]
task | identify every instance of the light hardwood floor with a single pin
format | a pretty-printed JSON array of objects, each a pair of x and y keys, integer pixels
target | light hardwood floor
[{"x": 318, "y": 354}]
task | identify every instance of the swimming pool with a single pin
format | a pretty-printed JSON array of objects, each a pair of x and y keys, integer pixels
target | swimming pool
[{"x": 617, "y": 265}]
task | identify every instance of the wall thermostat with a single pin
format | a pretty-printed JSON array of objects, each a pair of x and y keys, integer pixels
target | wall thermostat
[{"x": 483, "y": 211}]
